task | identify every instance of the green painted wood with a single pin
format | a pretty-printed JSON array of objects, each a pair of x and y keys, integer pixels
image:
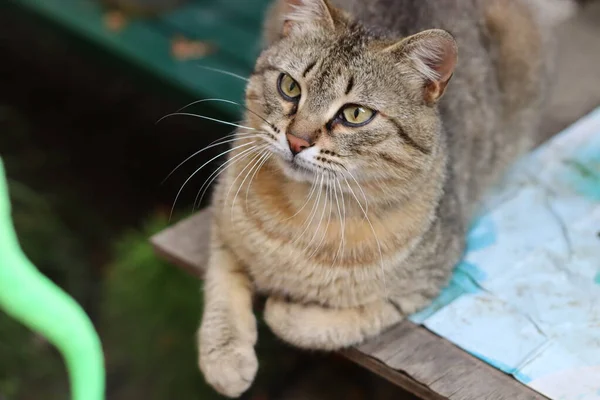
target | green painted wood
[
  {"x": 233, "y": 25},
  {"x": 251, "y": 11},
  {"x": 209, "y": 21}
]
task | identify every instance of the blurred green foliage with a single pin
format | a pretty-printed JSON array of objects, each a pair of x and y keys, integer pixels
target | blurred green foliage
[{"x": 150, "y": 313}]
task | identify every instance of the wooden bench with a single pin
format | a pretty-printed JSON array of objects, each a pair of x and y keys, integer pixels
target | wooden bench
[{"x": 408, "y": 355}]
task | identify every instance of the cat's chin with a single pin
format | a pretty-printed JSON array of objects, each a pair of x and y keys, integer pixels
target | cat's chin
[{"x": 296, "y": 172}]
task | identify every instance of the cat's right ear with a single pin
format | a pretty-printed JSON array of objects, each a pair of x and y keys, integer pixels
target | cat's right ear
[{"x": 285, "y": 16}]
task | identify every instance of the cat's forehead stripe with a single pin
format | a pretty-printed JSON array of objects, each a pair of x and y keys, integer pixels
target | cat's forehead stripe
[
  {"x": 309, "y": 68},
  {"x": 350, "y": 85}
]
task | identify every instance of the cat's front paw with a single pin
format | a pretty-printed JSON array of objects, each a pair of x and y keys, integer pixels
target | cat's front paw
[
  {"x": 312, "y": 326},
  {"x": 304, "y": 326},
  {"x": 229, "y": 367}
]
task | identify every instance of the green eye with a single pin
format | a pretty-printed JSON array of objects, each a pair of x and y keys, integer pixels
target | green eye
[
  {"x": 288, "y": 88},
  {"x": 354, "y": 115}
]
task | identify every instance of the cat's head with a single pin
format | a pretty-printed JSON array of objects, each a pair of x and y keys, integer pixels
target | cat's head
[{"x": 339, "y": 99}]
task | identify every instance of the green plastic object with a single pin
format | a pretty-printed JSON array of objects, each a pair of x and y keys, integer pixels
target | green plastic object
[{"x": 28, "y": 296}]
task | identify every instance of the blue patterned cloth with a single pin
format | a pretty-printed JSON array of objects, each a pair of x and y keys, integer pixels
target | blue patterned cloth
[{"x": 526, "y": 297}]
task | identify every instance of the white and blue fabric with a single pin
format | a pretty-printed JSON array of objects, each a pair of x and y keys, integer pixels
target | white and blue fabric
[{"x": 526, "y": 297}]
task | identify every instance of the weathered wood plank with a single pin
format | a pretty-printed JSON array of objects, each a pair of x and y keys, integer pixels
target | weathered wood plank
[
  {"x": 398, "y": 378},
  {"x": 408, "y": 355},
  {"x": 440, "y": 366},
  {"x": 185, "y": 244}
]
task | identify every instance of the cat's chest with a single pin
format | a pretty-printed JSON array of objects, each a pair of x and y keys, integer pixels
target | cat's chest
[{"x": 284, "y": 268}]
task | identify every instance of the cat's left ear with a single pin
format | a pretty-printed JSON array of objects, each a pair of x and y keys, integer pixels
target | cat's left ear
[
  {"x": 285, "y": 16},
  {"x": 432, "y": 55},
  {"x": 300, "y": 13}
]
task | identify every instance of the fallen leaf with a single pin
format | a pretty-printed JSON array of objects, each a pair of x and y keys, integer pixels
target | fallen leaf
[
  {"x": 183, "y": 48},
  {"x": 115, "y": 21}
]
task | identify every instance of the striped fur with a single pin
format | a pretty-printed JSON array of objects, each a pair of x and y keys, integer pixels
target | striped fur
[{"x": 363, "y": 227}]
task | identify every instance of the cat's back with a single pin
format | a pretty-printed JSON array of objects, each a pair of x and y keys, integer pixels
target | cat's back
[
  {"x": 492, "y": 108},
  {"x": 406, "y": 17}
]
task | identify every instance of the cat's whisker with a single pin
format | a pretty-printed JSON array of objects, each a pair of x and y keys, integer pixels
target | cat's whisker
[
  {"x": 374, "y": 235},
  {"x": 240, "y": 174},
  {"x": 243, "y": 154},
  {"x": 329, "y": 207},
  {"x": 312, "y": 189},
  {"x": 321, "y": 218},
  {"x": 228, "y": 102},
  {"x": 198, "y": 170},
  {"x": 264, "y": 160},
  {"x": 359, "y": 187},
  {"x": 222, "y": 71},
  {"x": 254, "y": 162},
  {"x": 343, "y": 244},
  {"x": 235, "y": 133},
  {"x": 344, "y": 210},
  {"x": 251, "y": 164},
  {"x": 313, "y": 212},
  {"x": 213, "y": 144},
  {"x": 204, "y": 117},
  {"x": 342, "y": 219}
]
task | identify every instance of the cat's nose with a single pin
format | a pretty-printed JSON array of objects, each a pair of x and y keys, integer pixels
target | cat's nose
[{"x": 297, "y": 144}]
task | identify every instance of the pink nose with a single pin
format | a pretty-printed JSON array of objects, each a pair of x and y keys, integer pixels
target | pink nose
[{"x": 297, "y": 144}]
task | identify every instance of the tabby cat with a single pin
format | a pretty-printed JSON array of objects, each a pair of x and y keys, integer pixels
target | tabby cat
[{"x": 351, "y": 183}]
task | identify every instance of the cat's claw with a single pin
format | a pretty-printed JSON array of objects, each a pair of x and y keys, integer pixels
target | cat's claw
[{"x": 229, "y": 369}]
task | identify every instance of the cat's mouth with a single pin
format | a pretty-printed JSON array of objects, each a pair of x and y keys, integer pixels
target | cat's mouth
[
  {"x": 299, "y": 169},
  {"x": 300, "y": 165}
]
